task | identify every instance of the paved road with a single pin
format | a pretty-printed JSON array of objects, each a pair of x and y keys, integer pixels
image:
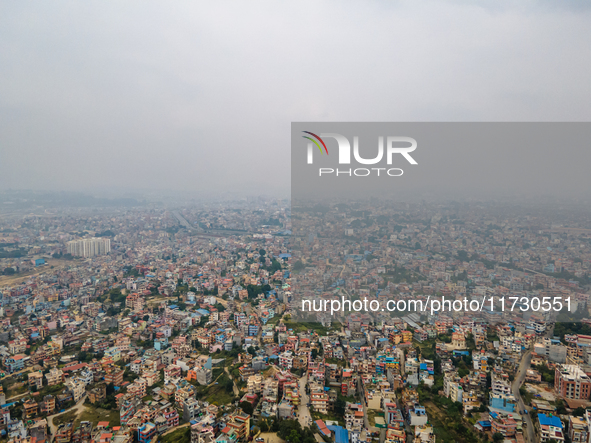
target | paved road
[
  {"x": 52, "y": 428},
  {"x": 304, "y": 416},
  {"x": 361, "y": 391},
  {"x": 235, "y": 388},
  {"x": 183, "y": 222},
  {"x": 23, "y": 371},
  {"x": 524, "y": 365}
]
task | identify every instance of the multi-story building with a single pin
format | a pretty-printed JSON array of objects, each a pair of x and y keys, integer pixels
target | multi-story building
[
  {"x": 47, "y": 406},
  {"x": 199, "y": 434},
  {"x": 171, "y": 372},
  {"x": 270, "y": 389},
  {"x": 151, "y": 377},
  {"x": 77, "y": 388},
  {"x": 135, "y": 302},
  {"x": 127, "y": 409},
  {"x": 30, "y": 406},
  {"x": 98, "y": 393},
  {"x": 552, "y": 349},
  {"x": 89, "y": 247},
  {"x": 354, "y": 417},
  {"x": 15, "y": 363},
  {"x": 571, "y": 382},
  {"x": 191, "y": 409},
  {"x": 145, "y": 432},
  {"x": 503, "y": 425},
  {"x": 417, "y": 415},
  {"x": 319, "y": 401},
  {"x": 254, "y": 384},
  {"x": 550, "y": 428},
  {"x": 138, "y": 388},
  {"x": 286, "y": 360},
  {"x": 63, "y": 433},
  {"x": 239, "y": 422},
  {"x": 171, "y": 416},
  {"x": 114, "y": 375},
  {"x": 36, "y": 379},
  {"x": 54, "y": 376},
  {"x": 501, "y": 384},
  {"x": 578, "y": 429}
]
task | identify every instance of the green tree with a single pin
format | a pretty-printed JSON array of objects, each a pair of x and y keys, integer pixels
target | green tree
[
  {"x": 246, "y": 407},
  {"x": 579, "y": 412},
  {"x": 298, "y": 265},
  {"x": 294, "y": 437}
]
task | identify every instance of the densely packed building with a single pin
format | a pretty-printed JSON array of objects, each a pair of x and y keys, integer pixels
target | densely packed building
[{"x": 193, "y": 319}]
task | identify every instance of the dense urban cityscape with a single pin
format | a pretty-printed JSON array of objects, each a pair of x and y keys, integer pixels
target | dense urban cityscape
[
  {"x": 151, "y": 324},
  {"x": 295, "y": 222}
]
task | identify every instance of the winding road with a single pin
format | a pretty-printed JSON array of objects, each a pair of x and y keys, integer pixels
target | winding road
[
  {"x": 524, "y": 365},
  {"x": 77, "y": 407},
  {"x": 304, "y": 416}
]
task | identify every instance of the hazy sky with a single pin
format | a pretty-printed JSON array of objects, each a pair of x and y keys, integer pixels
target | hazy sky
[{"x": 200, "y": 95}]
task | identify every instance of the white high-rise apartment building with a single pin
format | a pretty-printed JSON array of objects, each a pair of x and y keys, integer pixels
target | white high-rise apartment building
[{"x": 89, "y": 247}]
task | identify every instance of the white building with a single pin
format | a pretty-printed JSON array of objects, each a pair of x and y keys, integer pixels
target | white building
[{"x": 89, "y": 247}]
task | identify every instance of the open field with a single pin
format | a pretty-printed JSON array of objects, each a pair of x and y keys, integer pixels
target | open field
[
  {"x": 89, "y": 413},
  {"x": 311, "y": 326},
  {"x": 67, "y": 417},
  {"x": 8, "y": 280},
  {"x": 180, "y": 435},
  {"x": 271, "y": 437},
  {"x": 440, "y": 422},
  {"x": 95, "y": 415}
]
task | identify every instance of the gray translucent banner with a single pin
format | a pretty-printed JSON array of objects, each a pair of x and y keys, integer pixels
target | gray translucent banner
[{"x": 433, "y": 224}]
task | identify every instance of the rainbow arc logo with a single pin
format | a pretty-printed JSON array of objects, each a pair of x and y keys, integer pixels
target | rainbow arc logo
[{"x": 314, "y": 141}]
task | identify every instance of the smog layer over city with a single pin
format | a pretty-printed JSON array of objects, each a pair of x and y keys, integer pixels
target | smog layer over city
[{"x": 295, "y": 222}]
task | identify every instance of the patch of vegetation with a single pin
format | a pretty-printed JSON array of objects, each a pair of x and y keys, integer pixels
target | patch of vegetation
[
  {"x": 66, "y": 417},
  {"x": 51, "y": 390},
  {"x": 219, "y": 394},
  {"x": 181, "y": 435},
  {"x": 547, "y": 374},
  {"x": 526, "y": 395},
  {"x": 94, "y": 415},
  {"x": 311, "y": 326}
]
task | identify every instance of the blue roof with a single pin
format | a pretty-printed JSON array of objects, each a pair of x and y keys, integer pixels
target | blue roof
[
  {"x": 341, "y": 435},
  {"x": 485, "y": 423},
  {"x": 549, "y": 420}
]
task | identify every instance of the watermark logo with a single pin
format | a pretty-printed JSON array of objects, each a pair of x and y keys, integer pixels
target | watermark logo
[
  {"x": 393, "y": 145},
  {"x": 316, "y": 143}
]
